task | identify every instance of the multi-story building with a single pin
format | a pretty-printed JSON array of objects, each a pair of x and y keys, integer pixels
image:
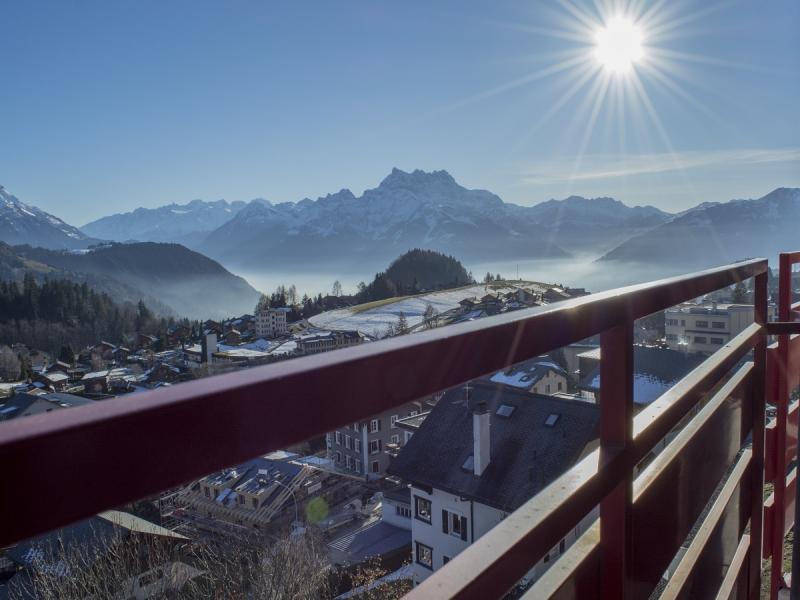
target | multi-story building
[
  {"x": 706, "y": 327},
  {"x": 502, "y": 448},
  {"x": 271, "y": 322},
  {"x": 366, "y": 448}
]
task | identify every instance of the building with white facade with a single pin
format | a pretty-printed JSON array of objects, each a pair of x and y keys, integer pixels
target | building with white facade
[
  {"x": 705, "y": 327},
  {"x": 271, "y": 322},
  {"x": 478, "y": 456}
]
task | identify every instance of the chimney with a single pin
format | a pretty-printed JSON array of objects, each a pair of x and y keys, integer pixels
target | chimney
[{"x": 481, "y": 440}]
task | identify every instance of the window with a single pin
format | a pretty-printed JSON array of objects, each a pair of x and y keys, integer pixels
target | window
[
  {"x": 717, "y": 324},
  {"x": 376, "y": 466},
  {"x": 348, "y": 461},
  {"x": 358, "y": 466},
  {"x": 255, "y": 502},
  {"x": 393, "y": 420},
  {"x": 348, "y": 442},
  {"x": 717, "y": 341},
  {"x": 402, "y": 511},
  {"x": 698, "y": 339},
  {"x": 357, "y": 445},
  {"x": 505, "y": 410},
  {"x": 375, "y": 425},
  {"x": 671, "y": 337},
  {"x": 547, "y": 388},
  {"x": 562, "y": 546},
  {"x": 683, "y": 322},
  {"x": 424, "y": 556},
  {"x": 338, "y": 456},
  {"x": 422, "y": 509},
  {"x": 395, "y": 439},
  {"x": 374, "y": 446},
  {"x": 454, "y": 524},
  {"x": 703, "y": 324},
  {"x": 560, "y": 385},
  {"x": 339, "y": 438}
]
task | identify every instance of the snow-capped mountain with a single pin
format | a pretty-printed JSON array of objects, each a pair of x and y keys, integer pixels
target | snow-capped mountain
[
  {"x": 716, "y": 233},
  {"x": 182, "y": 223},
  {"x": 407, "y": 210},
  {"x": 594, "y": 224},
  {"x": 21, "y": 223}
]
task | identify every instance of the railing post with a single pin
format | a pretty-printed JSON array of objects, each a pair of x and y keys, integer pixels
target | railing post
[
  {"x": 781, "y": 426},
  {"x": 757, "y": 398},
  {"x": 616, "y": 432}
]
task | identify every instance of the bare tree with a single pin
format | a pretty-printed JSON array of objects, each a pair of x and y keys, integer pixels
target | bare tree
[
  {"x": 96, "y": 362},
  {"x": 337, "y": 288},
  {"x": 429, "y": 316},
  {"x": 291, "y": 295},
  {"x": 9, "y": 364}
]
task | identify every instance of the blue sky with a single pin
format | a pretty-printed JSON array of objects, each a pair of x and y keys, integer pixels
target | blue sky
[{"x": 106, "y": 106}]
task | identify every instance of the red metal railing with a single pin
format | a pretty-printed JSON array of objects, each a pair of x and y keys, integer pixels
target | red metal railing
[
  {"x": 72, "y": 464},
  {"x": 783, "y": 366}
]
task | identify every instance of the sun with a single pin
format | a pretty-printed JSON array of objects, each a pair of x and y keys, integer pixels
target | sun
[{"x": 618, "y": 45}]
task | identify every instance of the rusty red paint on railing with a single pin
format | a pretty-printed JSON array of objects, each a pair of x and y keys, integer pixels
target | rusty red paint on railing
[{"x": 166, "y": 437}]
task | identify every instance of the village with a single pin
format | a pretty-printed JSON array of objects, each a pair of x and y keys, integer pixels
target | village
[{"x": 382, "y": 489}]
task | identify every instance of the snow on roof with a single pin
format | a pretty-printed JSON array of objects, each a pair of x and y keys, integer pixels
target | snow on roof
[
  {"x": 56, "y": 376},
  {"x": 95, "y": 375}
]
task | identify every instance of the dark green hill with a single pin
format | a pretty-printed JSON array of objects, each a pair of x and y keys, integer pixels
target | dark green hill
[{"x": 419, "y": 270}]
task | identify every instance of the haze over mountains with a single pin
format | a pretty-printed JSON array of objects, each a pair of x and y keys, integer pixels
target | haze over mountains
[{"x": 406, "y": 210}]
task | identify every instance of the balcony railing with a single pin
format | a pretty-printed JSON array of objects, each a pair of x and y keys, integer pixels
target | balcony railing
[{"x": 72, "y": 464}]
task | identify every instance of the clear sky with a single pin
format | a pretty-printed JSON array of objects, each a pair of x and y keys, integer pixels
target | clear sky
[{"x": 106, "y": 106}]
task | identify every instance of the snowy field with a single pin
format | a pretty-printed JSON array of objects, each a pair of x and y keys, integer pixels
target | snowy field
[{"x": 374, "y": 321}]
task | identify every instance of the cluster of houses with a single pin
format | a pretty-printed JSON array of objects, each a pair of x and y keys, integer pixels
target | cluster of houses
[{"x": 387, "y": 487}]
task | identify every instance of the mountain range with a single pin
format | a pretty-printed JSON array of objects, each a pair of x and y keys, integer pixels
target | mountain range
[
  {"x": 717, "y": 233},
  {"x": 406, "y": 210},
  {"x": 186, "y": 224},
  {"x": 22, "y": 223}
]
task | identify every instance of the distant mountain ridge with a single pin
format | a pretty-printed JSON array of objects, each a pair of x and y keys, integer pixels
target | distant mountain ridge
[
  {"x": 187, "y": 282},
  {"x": 22, "y": 223},
  {"x": 718, "y": 233},
  {"x": 186, "y": 224}
]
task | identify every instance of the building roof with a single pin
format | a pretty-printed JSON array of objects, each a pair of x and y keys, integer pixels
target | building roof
[
  {"x": 413, "y": 422},
  {"x": 655, "y": 370},
  {"x": 374, "y": 539},
  {"x": 526, "y": 374},
  {"x": 30, "y": 404},
  {"x": 526, "y": 452}
]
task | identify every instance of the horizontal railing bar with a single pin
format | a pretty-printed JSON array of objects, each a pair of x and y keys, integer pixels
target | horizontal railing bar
[
  {"x": 783, "y": 327},
  {"x": 163, "y": 438},
  {"x": 710, "y": 522},
  {"x": 503, "y": 555},
  {"x": 794, "y": 257},
  {"x": 734, "y": 569}
]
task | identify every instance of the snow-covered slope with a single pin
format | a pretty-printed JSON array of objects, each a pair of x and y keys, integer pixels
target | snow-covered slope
[
  {"x": 181, "y": 223},
  {"x": 407, "y": 210},
  {"x": 21, "y": 223},
  {"x": 719, "y": 233}
]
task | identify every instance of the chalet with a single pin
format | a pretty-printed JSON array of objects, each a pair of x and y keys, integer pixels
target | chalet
[
  {"x": 55, "y": 380},
  {"x": 96, "y": 382},
  {"x": 502, "y": 449},
  {"x": 163, "y": 372},
  {"x": 538, "y": 376},
  {"x": 555, "y": 294},
  {"x": 210, "y": 326},
  {"x": 145, "y": 340},
  {"x": 232, "y": 337}
]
